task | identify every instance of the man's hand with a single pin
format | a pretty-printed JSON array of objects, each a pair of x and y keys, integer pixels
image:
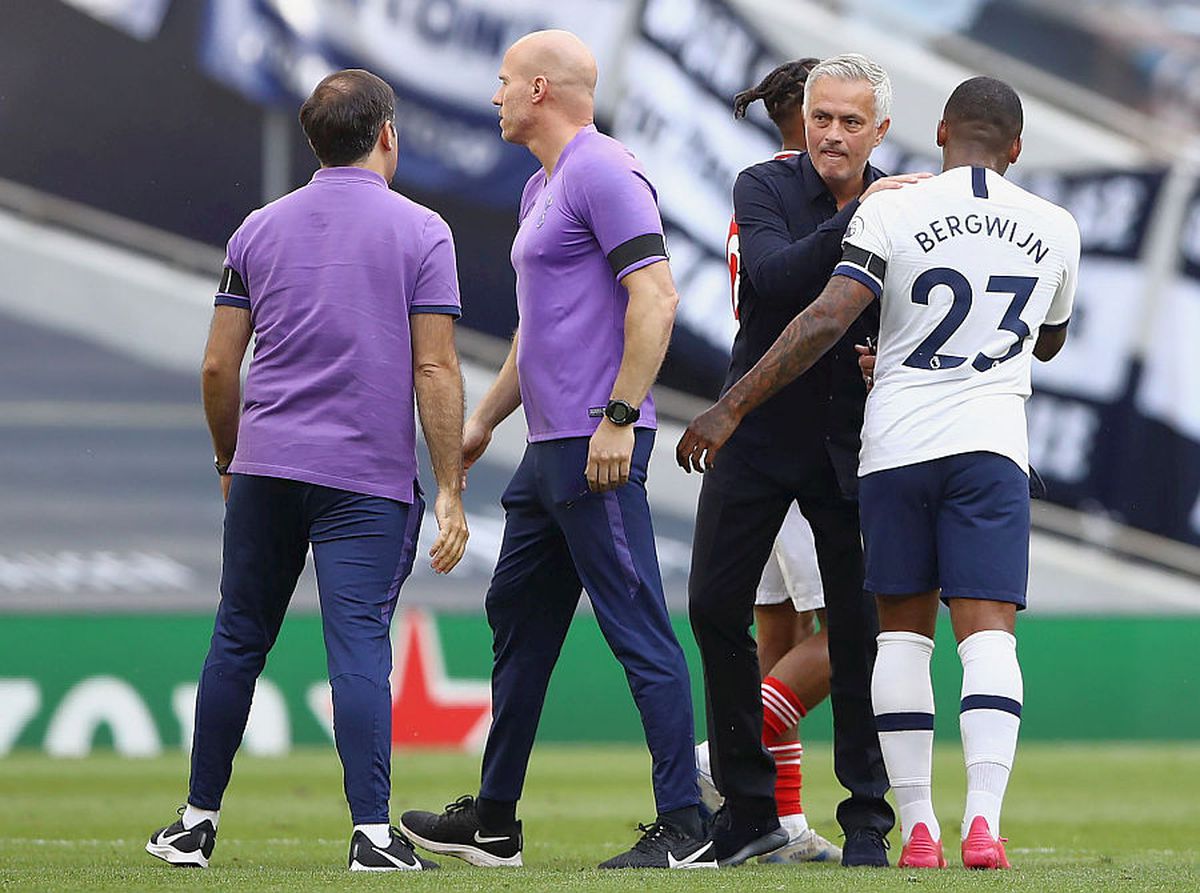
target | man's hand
[
  {"x": 894, "y": 182},
  {"x": 610, "y": 455},
  {"x": 476, "y": 437},
  {"x": 704, "y": 437},
  {"x": 226, "y": 480},
  {"x": 866, "y": 364},
  {"x": 452, "y": 536}
]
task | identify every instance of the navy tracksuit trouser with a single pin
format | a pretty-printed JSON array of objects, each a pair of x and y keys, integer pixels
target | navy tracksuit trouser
[
  {"x": 559, "y": 538},
  {"x": 363, "y": 548}
]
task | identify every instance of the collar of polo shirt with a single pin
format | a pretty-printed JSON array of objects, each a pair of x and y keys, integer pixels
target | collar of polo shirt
[
  {"x": 348, "y": 174},
  {"x": 814, "y": 186}
]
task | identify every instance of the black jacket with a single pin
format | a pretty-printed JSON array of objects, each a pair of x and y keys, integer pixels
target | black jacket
[{"x": 790, "y": 233}]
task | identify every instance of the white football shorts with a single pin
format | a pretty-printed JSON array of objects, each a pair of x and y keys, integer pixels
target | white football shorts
[{"x": 791, "y": 571}]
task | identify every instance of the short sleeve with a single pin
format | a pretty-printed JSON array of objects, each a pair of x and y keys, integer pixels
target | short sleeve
[
  {"x": 866, "y": 247},
  {"x": 618, "y": 204},
  {"x": 233, "y": 290},
  {"x": 436, "y": 289},
  {"x": 1059, "y": 313}
]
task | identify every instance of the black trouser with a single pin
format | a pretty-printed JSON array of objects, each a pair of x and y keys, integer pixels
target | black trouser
[{"x": 740, "y": 512}]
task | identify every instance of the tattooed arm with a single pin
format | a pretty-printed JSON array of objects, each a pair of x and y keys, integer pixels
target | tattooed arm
[{"x": 802, "y": 343}]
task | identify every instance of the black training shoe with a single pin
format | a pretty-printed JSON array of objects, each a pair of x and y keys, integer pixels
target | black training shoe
[
  {"x": 398, "y": 855},
  {"x": 734, "y": 845},
  {"x": 185, "y": 847},
  {"x": 457, "y": 832},
  {"x": 665, "y": 846},
  {"x": 864, "y": 847}
]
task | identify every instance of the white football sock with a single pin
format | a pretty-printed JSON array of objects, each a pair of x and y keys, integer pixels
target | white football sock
[
  {"x": 992, "y": 692},
  {"x": 902, "y": 698},
  {"x": 794, "y": 825},
  {"x": 193, "y": 816},
  {"x": 379, "y": 835}
]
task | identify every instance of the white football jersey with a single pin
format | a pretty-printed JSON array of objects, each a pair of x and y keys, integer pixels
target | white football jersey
[{"x": 968, "y": 268}]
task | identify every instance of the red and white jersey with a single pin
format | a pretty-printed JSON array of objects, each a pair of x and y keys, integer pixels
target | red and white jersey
[{"x": 733, "y": 252}]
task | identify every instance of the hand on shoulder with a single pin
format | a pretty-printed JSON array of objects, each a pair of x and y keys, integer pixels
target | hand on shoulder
[{"x": 896, "y": 181}]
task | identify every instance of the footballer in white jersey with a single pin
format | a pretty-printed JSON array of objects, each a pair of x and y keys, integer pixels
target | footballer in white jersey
[
  {"x": 976, "y": 277},
  {"x": 968, "y": 267}
]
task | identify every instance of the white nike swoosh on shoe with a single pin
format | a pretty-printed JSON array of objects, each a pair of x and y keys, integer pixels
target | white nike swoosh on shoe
[
  {"x": 163, "y": 840},
  {"x": 399, "y": 863},
  {"x": 692, "y": 860},
  {"x": 479, "y": 839}
]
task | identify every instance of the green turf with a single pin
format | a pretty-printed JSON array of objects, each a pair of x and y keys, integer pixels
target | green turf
[{"x": 1080, "y": 818}]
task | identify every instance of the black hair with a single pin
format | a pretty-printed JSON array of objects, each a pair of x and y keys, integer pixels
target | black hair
[
  {"x": 782, "y": 91},
  {"x": 989, "y": 108},
  {"x": 343, "y": 115}
]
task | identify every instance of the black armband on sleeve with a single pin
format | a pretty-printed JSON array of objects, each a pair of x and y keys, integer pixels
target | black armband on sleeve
[
  {"x": 232, "y": 292},
  {"x": 638, "y": 248},
  {"x": 863, "y": 266}
]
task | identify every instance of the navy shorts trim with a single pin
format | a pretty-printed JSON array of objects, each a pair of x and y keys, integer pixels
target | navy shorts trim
[{"x": 959, "y": 524}]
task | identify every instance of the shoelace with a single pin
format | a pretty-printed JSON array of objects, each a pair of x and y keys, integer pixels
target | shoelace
[
  {"x": 397, "y": 833},
  {"x": 650, "y": 834},
  {"x": 462, "y": 804},
  {"x": 868, "y": 832}
]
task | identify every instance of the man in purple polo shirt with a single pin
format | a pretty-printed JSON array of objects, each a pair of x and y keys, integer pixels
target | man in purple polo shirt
[
  {"x": 351, "y": 293},
  {"x": 596, "y": 306}
]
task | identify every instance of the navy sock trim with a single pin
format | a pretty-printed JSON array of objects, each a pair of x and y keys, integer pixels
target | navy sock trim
[
  {"x": 904, "y": 722},
  {"x": 990, "y": 702}
]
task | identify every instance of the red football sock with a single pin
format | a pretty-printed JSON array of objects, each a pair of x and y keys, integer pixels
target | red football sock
[
  {"x": 782, "y": 710},
  {"x": 787, "y": 778}
]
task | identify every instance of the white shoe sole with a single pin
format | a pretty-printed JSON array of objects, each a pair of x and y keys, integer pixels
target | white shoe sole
[
  {"x": 355, "y": 866},
  {"x": 173, "y": 856},
  {"x": 469, "y": 854}
]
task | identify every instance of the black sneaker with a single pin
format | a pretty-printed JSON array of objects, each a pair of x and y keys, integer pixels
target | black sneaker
[
  {"x": 733, "y": 846},
  {"x": 457, "y": 832},
  {"x": 665, "y": 846},
  {"x": 185, "y": 847},
  {"x": 398, "y": 855},
  {"x": 864, "y": 847}
]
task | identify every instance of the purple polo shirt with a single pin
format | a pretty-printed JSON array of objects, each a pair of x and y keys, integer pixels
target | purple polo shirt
[
  {"x": 592, "y": 222},
  {"x": 330, "y": 274}
]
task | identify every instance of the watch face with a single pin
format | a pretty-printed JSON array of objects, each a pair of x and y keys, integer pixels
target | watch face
[{"x": 620, "y": 413}]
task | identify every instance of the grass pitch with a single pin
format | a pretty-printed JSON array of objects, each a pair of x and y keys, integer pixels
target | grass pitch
[{"x": 1080, "y": 818}]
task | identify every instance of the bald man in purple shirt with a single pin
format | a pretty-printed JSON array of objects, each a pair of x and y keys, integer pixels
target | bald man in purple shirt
[
  {"x": 350, "y": 291},
  {"x": 596, "y": 304}
]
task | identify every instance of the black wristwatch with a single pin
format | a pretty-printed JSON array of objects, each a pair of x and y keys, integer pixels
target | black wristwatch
[
  {"x": 621, "y": 413},
  {"x": 221, "y": 467}
]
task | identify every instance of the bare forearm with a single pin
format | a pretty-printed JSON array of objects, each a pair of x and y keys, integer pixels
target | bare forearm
[
  {"x": 649, "y": 319},
  {"x": 221, "y": 377},
  {"x": 504, "y": 396},
  {"x": 221, "y": 391},
  {"x": 646, "y": 339},
  {"x": 793, "y": 353},
  {"x": 439, "y": 390},
  {"x": 802, "y": 343}
]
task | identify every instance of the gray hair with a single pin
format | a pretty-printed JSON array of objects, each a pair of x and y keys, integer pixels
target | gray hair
[{"x": 855, "y": 67}]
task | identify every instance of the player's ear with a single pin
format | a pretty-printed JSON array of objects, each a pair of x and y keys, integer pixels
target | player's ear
[
  {"x": 942, "y": 130},
  {"x": 539, "y": 89},
  {"x": 881, "y": 130},
  {"x": 1014, "y": 151},
  {"x": 388, "y": 136}
]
